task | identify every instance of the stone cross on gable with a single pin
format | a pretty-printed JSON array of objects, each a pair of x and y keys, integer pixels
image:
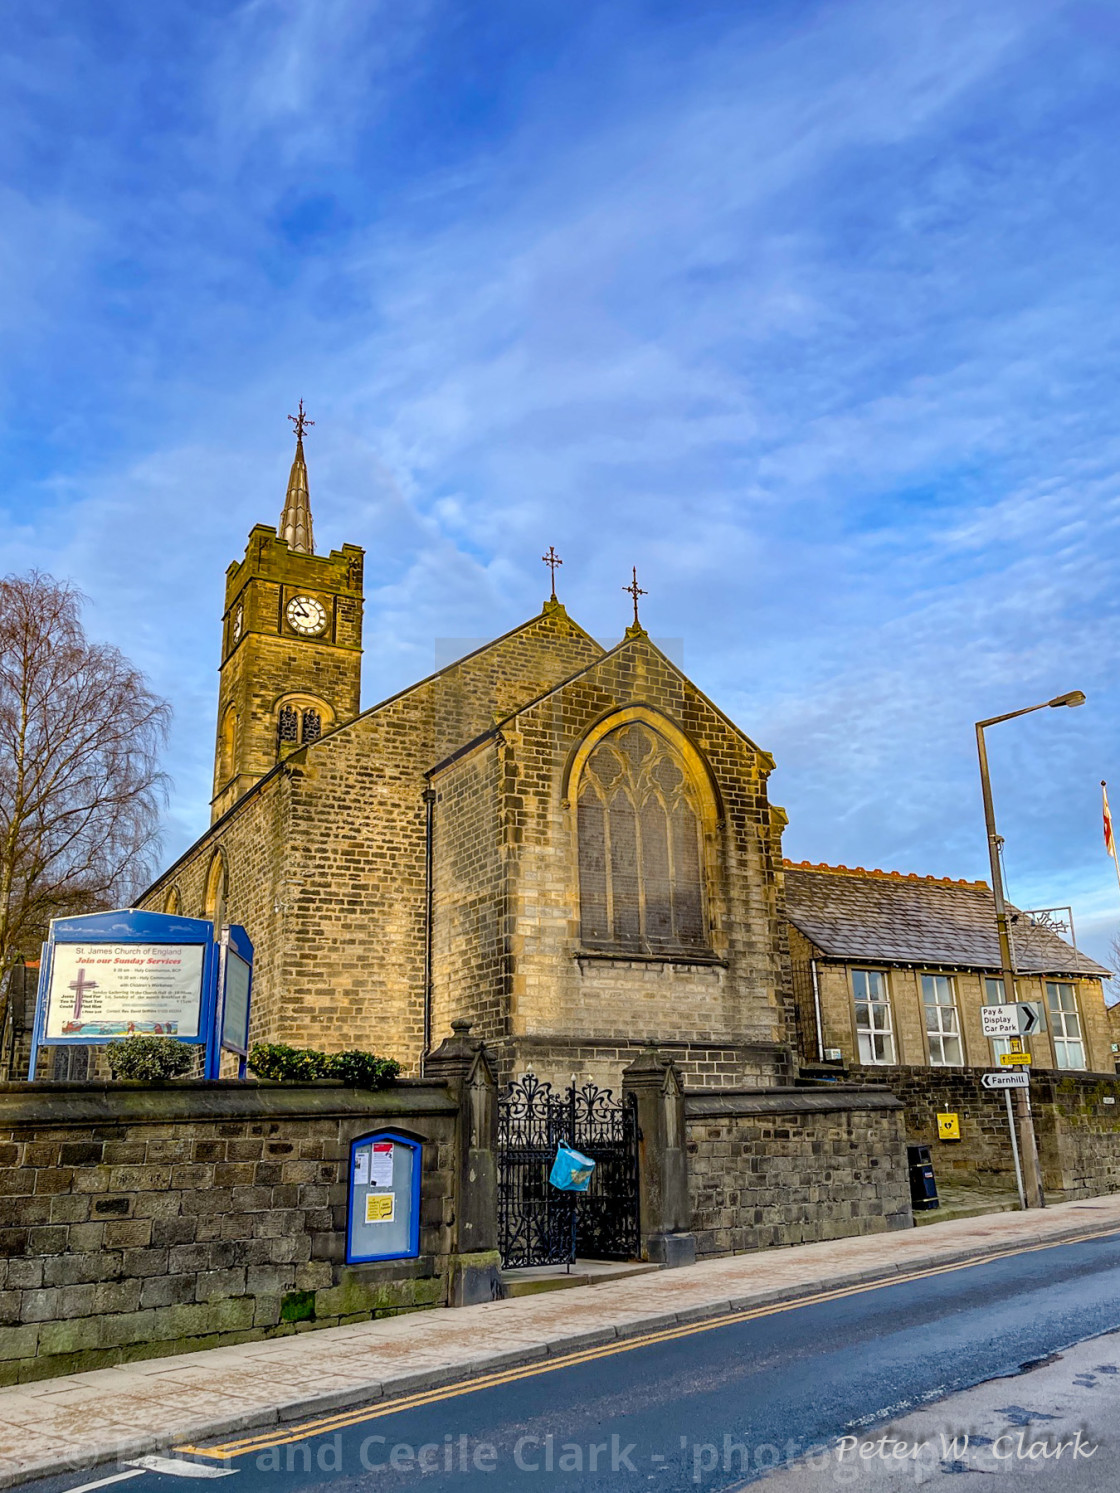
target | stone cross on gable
[
  {"x": 634, "y": 590},
  {"x": 552, "y": 559}
]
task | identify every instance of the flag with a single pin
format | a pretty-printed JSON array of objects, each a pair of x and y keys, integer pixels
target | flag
[{"x": 1109, "y": 841}]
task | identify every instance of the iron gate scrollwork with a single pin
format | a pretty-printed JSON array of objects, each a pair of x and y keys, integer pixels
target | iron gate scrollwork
[{"x": 535, "y": 1219}]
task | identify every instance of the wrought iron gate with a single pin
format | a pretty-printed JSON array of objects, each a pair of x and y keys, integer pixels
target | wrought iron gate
[{"x": 535, "y": 1220}]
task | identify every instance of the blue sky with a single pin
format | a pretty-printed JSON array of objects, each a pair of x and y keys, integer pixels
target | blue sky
[{"x": 807, "y": 309}]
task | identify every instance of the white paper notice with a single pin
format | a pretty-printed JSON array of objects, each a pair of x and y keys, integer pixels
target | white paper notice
[
  {"x": 101, "y": 990},
  {"x": 381, "y": 1165},
  {"x": 361, "y": 1167}
]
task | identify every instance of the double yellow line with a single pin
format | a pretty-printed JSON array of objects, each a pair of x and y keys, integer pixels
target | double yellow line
[{"x": 322, "y": 1425}]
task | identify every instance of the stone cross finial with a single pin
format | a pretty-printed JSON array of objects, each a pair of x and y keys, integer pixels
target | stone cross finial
[
  {"x": 634, "y": 590},
  {"x": 552, "y": 559}
]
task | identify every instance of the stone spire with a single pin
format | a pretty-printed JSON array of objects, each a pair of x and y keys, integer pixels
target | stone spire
[{"x": 295, "y": 521}]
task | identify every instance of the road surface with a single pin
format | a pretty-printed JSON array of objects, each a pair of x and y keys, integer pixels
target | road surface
[{"x": 707, "y": 1407}]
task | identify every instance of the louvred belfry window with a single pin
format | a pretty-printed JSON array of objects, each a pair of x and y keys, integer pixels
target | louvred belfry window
[
  {"x": 640, "y": 848},
  {"x": 287, "y": 724}
]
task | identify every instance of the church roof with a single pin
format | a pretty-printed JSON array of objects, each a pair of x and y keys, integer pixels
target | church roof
[
  {"x": 885, "y": 917},
  {"x": 634, "y": 636}
]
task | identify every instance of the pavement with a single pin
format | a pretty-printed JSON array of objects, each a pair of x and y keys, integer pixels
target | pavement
[
  {"x": 83, "y": 1420},
  {"x": 963, "y": 1201}
]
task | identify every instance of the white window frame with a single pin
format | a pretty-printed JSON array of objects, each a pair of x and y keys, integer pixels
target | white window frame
[
  {"x": 871, "y": 989},
  {"x": 1067, "y": 1031},
  {"x": 942, "y": 1020}
]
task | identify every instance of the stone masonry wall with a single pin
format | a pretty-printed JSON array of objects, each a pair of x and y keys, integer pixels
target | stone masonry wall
[
  {"x": 468, "y": 944},
  {"x": 259, "y": 887},
  {"x": 707, "y": 1065},
  {"x": 137, "y": 1222},
  {"x": 792, "y": 1167},
  {"x": 1078, "y": 1133},
  {"x": 327, "y": 857}
]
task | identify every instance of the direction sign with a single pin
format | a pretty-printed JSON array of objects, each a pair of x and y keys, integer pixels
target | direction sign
[
  {"x": 1020, "y": 1080},
  {"x": 1031, "y": 1019},
  {"x": 1021, "y": 1019},
  {"x": 1000, "y": 1021},
  {"x": 1013, "y": 1059}
]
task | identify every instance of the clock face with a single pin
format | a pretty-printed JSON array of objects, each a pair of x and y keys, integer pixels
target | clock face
[{"x": 305, "y": 615}]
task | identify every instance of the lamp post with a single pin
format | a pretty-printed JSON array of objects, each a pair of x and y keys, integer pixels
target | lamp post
[{"x": 1031, "y": 1188}]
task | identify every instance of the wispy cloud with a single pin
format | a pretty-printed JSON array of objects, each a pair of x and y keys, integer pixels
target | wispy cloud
[{"x": 807, "y": 310}]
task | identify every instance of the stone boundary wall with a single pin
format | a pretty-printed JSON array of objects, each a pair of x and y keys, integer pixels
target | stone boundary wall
[
  {"x": 1078, "y": 1132},
  {"x": 705, "y": 1065},
  {"x": 138, "y": 1221},
  {"x": 793, "y": 1166}
]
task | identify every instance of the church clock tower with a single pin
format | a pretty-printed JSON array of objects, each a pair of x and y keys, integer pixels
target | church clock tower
[{"x": 291, "y": 643}]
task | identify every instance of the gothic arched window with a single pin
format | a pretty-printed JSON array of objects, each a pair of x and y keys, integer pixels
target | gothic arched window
[
  {"x": 227, "y": 746},
  {"x": 640, "y": 847},
  {"x": 312, "y": 725},
  {"x": 217, "y": 890}
]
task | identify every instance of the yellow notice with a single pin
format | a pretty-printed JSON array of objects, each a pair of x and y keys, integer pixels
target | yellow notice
[{"x": 379, "y": 1207}]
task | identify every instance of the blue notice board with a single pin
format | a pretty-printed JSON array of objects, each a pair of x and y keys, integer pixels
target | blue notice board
[
  {"x": 235, "y": 986},
  {"x": 108, "y": 975},
  {"x": 384, "y": 1213}
]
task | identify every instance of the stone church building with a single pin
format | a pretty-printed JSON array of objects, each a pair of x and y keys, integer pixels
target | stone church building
[{"x": 569, "y": 846}]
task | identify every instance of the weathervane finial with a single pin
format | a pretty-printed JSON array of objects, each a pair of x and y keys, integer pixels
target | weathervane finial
[
  {"x": 634, "y": 590},
  {"x": 300, "y": 421},
  {"x": 552, "y": 559}
]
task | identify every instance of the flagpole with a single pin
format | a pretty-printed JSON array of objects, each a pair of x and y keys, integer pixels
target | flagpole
[{"x": 1109, "y": 839}]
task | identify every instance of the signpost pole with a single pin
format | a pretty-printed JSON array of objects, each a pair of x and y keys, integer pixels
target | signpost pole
[
  {"x": 1015, "y": 1149},
  {"x": 1031, "y": 1195}
]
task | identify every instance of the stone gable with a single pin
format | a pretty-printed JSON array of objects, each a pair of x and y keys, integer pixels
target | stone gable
[{"x": 506, "y": 940}]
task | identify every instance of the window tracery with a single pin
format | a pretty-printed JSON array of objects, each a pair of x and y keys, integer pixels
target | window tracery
[{"x": 640, "y": 847}]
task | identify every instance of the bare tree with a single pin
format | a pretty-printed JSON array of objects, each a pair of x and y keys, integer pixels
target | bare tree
[{"x": 80, "y": 785}]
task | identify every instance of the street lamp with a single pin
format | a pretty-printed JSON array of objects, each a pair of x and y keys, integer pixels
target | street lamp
[{"x": 1031, "y": 1185}]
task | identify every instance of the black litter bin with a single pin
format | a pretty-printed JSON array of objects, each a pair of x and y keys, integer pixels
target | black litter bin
[{"x": 923, "y": 1185}]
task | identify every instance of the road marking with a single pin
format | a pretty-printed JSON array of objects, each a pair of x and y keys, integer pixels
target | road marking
[
  {"x": 174, "y": 1467},
  {"x": 103, "y": 1482},
  {"x": 344, "y": 1419}
]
